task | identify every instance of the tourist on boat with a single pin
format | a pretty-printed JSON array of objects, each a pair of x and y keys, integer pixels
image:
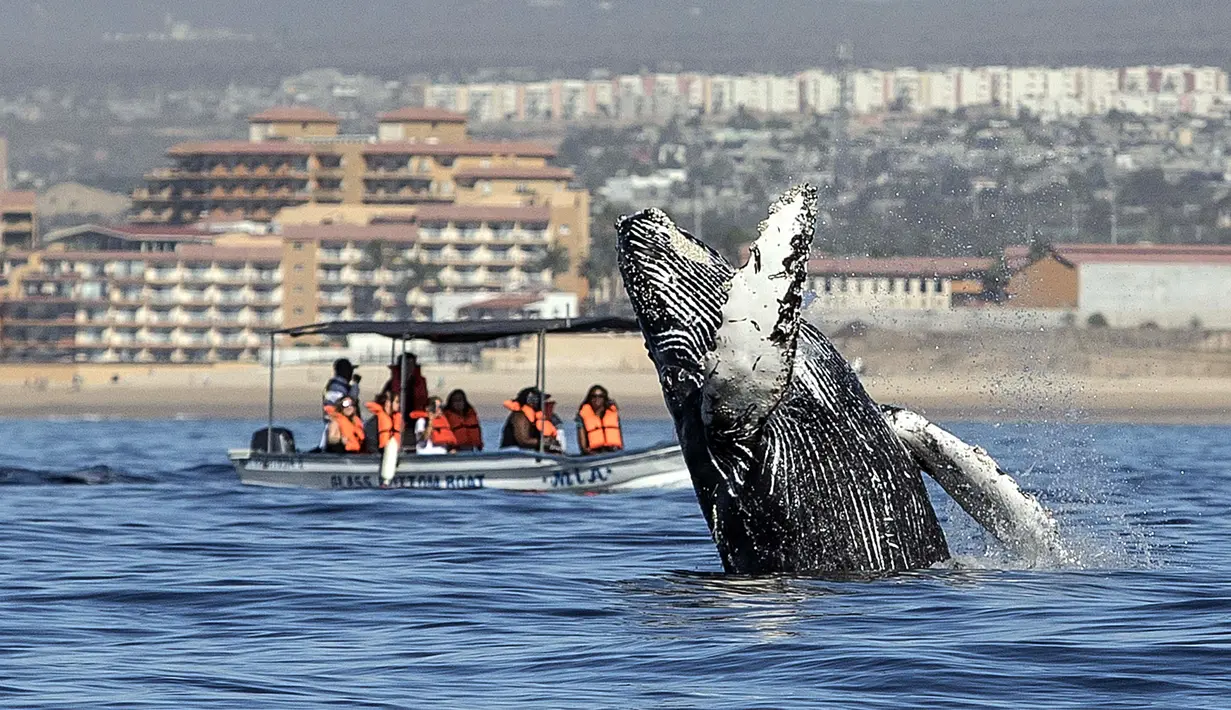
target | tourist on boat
[
  {"x": 344, "y": 383},
  {"x": 385, "y": 422},
  {"x": 464, "y": 422},
  {"x": 344, "y": 435},
  {"x": 433, "y": 434},
  {"x": 598, "y": 423},
  {"x": 526, "y": 424},
  {"x": 415, "y": 381}
]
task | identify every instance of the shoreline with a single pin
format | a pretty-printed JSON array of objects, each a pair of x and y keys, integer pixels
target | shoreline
[{"x": 241, "y": 393}]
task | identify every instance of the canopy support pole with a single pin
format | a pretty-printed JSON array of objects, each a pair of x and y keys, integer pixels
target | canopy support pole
[
  {"x": 269, "y": 426},
  {"x": 540, "y": 382},
  {"x": 404, "y": 397}
]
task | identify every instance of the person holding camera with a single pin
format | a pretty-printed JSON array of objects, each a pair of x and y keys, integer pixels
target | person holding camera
[{"x": 344, "y": 383}]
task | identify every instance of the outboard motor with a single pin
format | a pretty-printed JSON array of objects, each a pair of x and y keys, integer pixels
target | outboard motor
[{"x": 273, "y": 441}]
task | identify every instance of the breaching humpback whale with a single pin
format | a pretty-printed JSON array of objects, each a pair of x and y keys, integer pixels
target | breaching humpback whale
[{"x": 795, "y": 468}]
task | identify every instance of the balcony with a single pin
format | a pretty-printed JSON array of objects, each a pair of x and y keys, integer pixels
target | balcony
[
  {"x": 229, "y": 277},
  {"x": 163, "y": 275},
  {"x": 404, "y": 197},
  {"x": 334, "y": 299},
  {"x": 127, "y": 298},
  {"x": 194, "y": 298},
  {"x": 145, "y": 195},
  {"x": 232, "y": 298}
]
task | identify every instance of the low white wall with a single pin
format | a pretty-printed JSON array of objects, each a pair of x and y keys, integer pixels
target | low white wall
[{"x": 941, "y": 321}]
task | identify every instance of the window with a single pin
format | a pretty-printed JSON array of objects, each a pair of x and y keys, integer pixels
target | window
[{"x": 297, "y": 246}]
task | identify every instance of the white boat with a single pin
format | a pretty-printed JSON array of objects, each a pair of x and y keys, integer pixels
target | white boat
[
  {"x": 272, "y": 461},
  {"x": 658, "y": 466}
]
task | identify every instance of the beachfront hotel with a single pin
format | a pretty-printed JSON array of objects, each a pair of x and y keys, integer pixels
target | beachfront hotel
[
  {"x": 419, "y": 164},
  {"x": 296, "y": 225},
  {"x": 155, "y": 293}
]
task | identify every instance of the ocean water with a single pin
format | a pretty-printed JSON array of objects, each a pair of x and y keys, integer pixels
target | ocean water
[{"x": 135, "y": 572}]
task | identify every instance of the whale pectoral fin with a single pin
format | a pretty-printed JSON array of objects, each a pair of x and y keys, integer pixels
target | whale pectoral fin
[
  {"x": 978, "y": 484},
  {"x": 754, "y": 347}
]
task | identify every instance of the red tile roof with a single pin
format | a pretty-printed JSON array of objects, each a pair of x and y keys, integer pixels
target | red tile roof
[
  {"x": 523, "y": 148},
  {"x": 136, "y": 232},
  {"x": 264, "y": 255},
  {"x": 242, "y": 147},
  {"x": 160, "y": 230},
  {"x": 104, "y": 256},
  {"x": 1017, "y": 256},
  {"x": 17, "y": 199},
  {"x": 952, "y": 266},
  {"x": 411, "y": 113},
  {"x": 483, "y": 213},
  {"x": 224, "y": 147},
  {"x": 515, "y": 172},
  {"x": 293, "y": 113},
  {"x": 389, "y": 232}
]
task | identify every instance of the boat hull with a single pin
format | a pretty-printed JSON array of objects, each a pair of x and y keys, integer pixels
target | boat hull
[{"x": 659, "y": 466}]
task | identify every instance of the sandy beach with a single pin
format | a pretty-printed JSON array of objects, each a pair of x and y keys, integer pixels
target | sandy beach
[
  {"x": 971, "y": 378},
  {"x": 242, "y": 393}
]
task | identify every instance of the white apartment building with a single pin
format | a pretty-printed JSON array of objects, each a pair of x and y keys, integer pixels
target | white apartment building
[{"x": 1046, "y": 91}]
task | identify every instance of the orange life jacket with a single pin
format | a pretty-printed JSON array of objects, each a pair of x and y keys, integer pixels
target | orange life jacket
[
  {"x": 441, "y": 432},
  {"x": 387, "y": 425},
  {"x": 601, "y": 434},
  {"x": 466, "y": 428},
  {"x": 536, "y": 417},
  {"x": 351, "y": 429}
]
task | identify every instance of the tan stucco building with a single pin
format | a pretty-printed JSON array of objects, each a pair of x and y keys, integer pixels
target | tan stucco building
[{"x": 298, "y": 168}]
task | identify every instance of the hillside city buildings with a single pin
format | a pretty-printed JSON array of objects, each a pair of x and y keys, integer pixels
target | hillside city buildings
[
  {"x": 302, "y": 222},
  {"x": 1043, "y": 91}
]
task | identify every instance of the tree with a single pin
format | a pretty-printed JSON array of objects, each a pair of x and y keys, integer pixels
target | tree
[
  {"x": 409, "y": 274},
  {"x": 555, "y": 258},
  {"x": 743, "y": 119},
  {"x": 996, "y": 281},
  {"x": 600, "y": 267}
]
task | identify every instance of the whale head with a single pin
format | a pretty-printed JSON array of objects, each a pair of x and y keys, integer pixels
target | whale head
[
  {"x": 707, "y": 324},
  {"x": 677, "y": 286},
  {"x": 722, "y": 338}
]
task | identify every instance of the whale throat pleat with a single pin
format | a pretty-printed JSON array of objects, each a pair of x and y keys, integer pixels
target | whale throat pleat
[{"x": 749, "y": 367}]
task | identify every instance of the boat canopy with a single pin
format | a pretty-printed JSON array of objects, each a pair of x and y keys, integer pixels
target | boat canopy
[{"x": 467, "y": 331}]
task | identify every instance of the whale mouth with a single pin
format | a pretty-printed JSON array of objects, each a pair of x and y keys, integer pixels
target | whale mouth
[{"x": 677, "y": 286}]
